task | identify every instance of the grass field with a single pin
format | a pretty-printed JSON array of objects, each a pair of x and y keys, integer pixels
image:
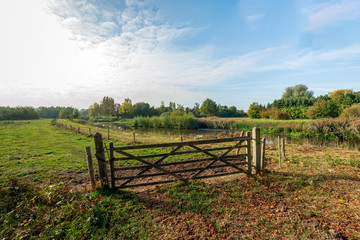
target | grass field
[{"x": 315, "y": 195}]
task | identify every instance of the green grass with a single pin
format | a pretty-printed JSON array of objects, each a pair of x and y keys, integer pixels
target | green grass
[
  {"x": 57, "y": 212},
  {"x": 314, "y": 195},
  {"x": 39, "y": 151}
]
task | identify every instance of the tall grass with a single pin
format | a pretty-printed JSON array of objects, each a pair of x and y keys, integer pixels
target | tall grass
[{"x": 174, "y": 121}]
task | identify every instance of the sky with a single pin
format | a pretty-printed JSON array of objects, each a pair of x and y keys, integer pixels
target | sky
[{"x": 235, "y": 52}]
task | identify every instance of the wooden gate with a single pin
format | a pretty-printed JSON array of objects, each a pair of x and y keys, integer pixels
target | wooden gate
[{"x": 141, "y": 165}]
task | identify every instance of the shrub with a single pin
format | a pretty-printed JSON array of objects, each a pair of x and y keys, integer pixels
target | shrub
[
  {"x": 352, "y": 111},
  {"x": 254, "y": 110},
  {"x": 279, "y": 115},
  {"x": 328, "y": 127},
  {"x": 324, "y": 109}
]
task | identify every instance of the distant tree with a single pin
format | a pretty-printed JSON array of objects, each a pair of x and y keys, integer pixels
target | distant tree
[
  {"x": 323, "y": 109},
  {"x": 94, "y": 110},
  {"x": 127, "y": 108},
  {"x": 18, "y": 113},
  {"x": 172, "y": 106},
  {"x": 300, "y": 90},
  {"x": 180, "y": 107},
  {"x": 196, "y": 109},
  {"x": 75, "y": 113},
  {"x": 345, "y": 97},
  {"x": 107, "y": 106},
  {"x": 162, "y": 107},
  {"x": 49, "y": 112},
  {"x": 69, "y": 112},
  {"x": 254, "y": 110},
  {"x": 143, "y": 109},
  {"x": 209, "y": 108},
  {"x": 83, "y": 113},
  {"x": 225, "y": 111}
]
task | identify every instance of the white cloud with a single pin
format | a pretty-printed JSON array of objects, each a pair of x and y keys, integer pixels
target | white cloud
[
  {"x": 85, "y": 52},
  {"x": 332, "y": 13},
  {"x": 254, "y": 18}
]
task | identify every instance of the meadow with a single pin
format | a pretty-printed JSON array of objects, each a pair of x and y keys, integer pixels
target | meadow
[{"x": 45, "y": 193}]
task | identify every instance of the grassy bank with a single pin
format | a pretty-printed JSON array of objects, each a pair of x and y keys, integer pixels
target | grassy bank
[{"x": 315, "y": 195}]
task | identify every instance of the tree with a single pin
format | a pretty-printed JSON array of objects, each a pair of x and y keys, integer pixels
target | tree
[
  {"x": 94, "y": 110},
  {"x": 323, "y": 109},
  {"x": 107, "y": 106},
  {"x": 127, "y": 108},
  {"x": 143, "y": 109},
  {"x": 345, "y": 97},
  {"x": 49, "y": 112},
  {"x": 254, "y": 110},
  {"x": 196, "y": 110},
  {"x": 172, "y": 106},
  {"x": 299, "y": 90},
  {"x": 209, "y": 108},
  {"x": 69, "y": 113}
]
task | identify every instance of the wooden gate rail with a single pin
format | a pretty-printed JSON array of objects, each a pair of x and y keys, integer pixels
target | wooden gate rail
[{"x": 224, "y": 158}]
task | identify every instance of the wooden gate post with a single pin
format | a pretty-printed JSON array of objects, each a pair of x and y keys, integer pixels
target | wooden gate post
[
  {"x": 112, "y": 171},
  {"x": 248, "y": 152},
  {"x": 263, "y": 163},
  {"x": 90, "y": 167},
  {"x": 100, "y": 155},
  {"x": 256, "y": 149}
]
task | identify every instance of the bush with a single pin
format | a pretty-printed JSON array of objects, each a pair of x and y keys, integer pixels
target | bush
[
  {"x": 296, "y": 112},
  {"x": 254, "y": 110},
  {"x": 328, "y": 127},
  {"x": 324, "y": 109},
  {"x": 352, "y": 111},
  {"x": 279, "y": 115}
]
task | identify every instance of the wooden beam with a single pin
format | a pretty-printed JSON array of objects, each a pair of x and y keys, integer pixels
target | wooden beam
[
  {"x": 256, "y": 149},
  {"x": 100, "y": 155},
  {"x": 222, "y": 140}
]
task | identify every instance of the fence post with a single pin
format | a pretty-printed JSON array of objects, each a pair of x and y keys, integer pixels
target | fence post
[
  {"x": 134, "y": 137},
  {"x": 283, "y": 148},
  {"x": 100, "y": 155},
  {"x": 78, "y": 129},
  {"x": 256, "y": 148},
  {"x": 263, "y": 163},
  {"x": 89, "y": 131},
  {"x": 108, "y": 132},
  {"x": 90, "y": 167},
  {"x": 279, "y": 151},
  {"x": 112, "y": 165},
  {"x": 248, "y": 152}
]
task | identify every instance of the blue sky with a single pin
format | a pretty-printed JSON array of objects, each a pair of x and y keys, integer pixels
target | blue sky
[{"x": 72, "y": 53}]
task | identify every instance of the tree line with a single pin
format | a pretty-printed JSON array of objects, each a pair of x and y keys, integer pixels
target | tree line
[
  {"x": 28, "y": 113},
  {"x": 107, "y": 109},
  {"x": 298, "y": 102}
]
